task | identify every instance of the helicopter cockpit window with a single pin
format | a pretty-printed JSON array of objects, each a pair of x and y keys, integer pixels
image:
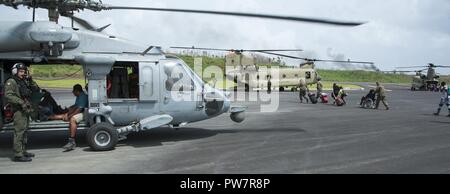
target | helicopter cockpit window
[
  {"x": 177, "y": 78},
  {"x": 123, "y": 81},
  {"x": 308, "y": 75}
]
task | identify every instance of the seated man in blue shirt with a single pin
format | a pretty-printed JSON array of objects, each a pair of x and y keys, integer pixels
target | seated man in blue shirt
[{"x": 75, "y": 115}]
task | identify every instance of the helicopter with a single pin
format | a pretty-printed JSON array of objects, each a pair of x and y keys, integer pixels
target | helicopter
[
  {"x": 425, "y": 82},
  {"x": 243, "y": 69},
  {"x": 167, "y": 92}
]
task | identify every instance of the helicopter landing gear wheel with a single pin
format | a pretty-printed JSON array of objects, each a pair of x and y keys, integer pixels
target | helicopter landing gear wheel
[{"x": 102, "y": 137}]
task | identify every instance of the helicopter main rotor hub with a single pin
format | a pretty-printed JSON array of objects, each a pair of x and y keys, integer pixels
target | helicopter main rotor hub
[{"x": 58, "y": 7}]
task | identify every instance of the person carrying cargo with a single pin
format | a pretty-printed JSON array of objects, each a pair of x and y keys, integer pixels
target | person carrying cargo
[
  {"x": 335, "y": 91},
  {"x": 342, "y": 94},
  {"x": 339, "y": 100},
  {"x": 445, "y": 99},
  {"x": 303, "y": 90}
]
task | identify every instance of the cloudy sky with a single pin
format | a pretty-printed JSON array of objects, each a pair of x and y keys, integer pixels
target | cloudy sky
[{"x": 398, "y": 32}]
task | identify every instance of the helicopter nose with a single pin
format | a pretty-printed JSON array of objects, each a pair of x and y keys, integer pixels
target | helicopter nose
[{"x": 216, "y": 103}]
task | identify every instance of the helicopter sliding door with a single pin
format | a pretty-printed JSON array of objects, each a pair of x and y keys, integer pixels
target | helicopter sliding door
[{"x": 148, "y": 82}]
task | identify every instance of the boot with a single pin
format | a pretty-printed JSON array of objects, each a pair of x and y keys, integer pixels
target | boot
[
  {"x": 28, "y": 155},
  {"x": 70, "y": 145},
  {"x": 22, "y": 159},
  {"x": 437, "y": 113}
]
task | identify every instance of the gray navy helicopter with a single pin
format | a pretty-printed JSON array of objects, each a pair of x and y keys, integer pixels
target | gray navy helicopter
[{"x": 167, "y": 92}]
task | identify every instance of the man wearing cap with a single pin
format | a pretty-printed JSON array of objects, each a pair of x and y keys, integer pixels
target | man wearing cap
[{"x": 74, "y": 116}]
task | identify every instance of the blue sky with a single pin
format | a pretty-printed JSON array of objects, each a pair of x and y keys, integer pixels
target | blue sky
[{"x": 398, "y": 32}]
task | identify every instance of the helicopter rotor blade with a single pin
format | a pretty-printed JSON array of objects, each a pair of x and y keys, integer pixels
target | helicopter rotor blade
[
  {"x": 274, "y": 50},
  {"x": 399, "y": 71},
  {"x": 67, "y": 6},
  {"x": 206, "y": 49},
  {"x": 266, "y": 16},
  {"x": 318, "y": 60},
  {"x": 411, "y": 67},
  {"x": 84, "y": 23},
  {"x": 349, "y": 61},
  {"x": 237, "y": 50},
  {"x": 283, "y": 55}
]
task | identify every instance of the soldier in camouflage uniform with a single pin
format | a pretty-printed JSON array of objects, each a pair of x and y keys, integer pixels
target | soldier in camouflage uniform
[
  {"x": 319, "y": 88},
  {"x": 18, "y": 93},
  {"x": 381, "y": 96},
  {"x": 303, "y": 90}
]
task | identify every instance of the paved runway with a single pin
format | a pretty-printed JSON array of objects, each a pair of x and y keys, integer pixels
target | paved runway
[{"x": 299, "y": 138}]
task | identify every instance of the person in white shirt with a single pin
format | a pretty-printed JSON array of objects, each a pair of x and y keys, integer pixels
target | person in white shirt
[{"x": 445, "y": 99}]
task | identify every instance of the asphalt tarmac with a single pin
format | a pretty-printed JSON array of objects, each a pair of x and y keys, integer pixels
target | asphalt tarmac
[{"x": 298, "y": 138}]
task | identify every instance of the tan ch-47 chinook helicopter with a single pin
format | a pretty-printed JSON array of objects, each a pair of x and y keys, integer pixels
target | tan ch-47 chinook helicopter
[
  {"x": 166, "y": 91},
  {"x": 424, "y": 82},
  {"x": 244, "y": 70}
]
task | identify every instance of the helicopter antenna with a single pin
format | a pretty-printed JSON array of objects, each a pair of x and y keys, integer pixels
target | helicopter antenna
[{"x": 34, "y": 13}]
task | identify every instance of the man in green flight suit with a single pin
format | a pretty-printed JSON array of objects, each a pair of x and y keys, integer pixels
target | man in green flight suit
[{"x": 18, "y": 93}]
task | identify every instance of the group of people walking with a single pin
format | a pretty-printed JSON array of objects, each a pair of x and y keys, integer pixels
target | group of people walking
[{"x": 338, "y": 94}]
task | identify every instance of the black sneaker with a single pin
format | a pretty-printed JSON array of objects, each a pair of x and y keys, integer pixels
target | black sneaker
[
  {"x": 436, "y": 114},
  {"x": 22, "y": 159},
  {"x": 28, "y": 155}
]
